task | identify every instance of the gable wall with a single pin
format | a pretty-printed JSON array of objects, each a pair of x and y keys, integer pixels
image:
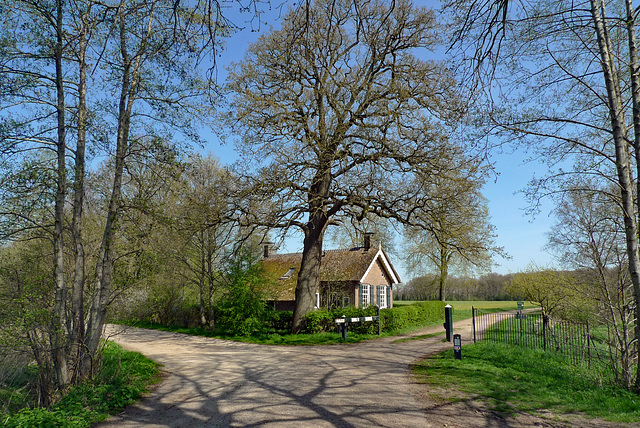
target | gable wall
[{"x": 376, "y": 276}]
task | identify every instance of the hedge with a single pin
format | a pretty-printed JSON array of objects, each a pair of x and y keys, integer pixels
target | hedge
[
  {"x": 416, "y": 315},
  {"x": 393, "y": 319}
]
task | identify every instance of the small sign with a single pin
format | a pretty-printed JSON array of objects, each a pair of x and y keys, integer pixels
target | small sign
[
  {"x": 457, "y": 346},
  {"x": 520, "y": 306}
]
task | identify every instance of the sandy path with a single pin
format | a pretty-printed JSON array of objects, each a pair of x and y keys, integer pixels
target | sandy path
[{"x": 216, "y": 383}]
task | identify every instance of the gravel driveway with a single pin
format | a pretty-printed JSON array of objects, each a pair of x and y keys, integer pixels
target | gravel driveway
[{"x": 217, "y": 383}]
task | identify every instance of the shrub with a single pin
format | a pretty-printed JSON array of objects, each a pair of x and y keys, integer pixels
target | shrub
[
  {"x": 243, "y": 310},
  {"x": 281, "y": 321},
  {"x": 123, "y": 378},
  {"x": 416, "y": 315},
  {"x": 393, "y": 319}
]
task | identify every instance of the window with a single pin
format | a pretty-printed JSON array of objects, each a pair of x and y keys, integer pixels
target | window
[
  {"x": 364, "y": 295},
  {"x": 288, "y": 274},
  {"x": 345, "y": 302},
  {"x": 382, "y": 296},
  {"x": 317, "y": 300}
]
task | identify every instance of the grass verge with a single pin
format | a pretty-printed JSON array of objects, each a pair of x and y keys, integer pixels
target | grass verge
[
  {"x": 461, "y": 310},
  {"x": 125, "y": 376},
  {"x": 512, "y": 379},
  {"x": 277, "y": 338}
]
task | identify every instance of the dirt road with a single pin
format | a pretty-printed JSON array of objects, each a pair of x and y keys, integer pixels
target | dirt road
[{"x": 216, "y": 383}]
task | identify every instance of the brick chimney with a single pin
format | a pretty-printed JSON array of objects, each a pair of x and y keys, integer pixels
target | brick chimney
[
  {"x": 268, "y": 249},
  {"x": 367, "y": 241}
]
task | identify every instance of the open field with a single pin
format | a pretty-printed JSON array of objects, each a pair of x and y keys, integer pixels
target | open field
[{"x": 485, "y": 305}]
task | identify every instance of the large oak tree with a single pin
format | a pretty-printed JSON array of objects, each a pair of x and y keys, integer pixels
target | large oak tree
[{"x": 339, "y": 115}]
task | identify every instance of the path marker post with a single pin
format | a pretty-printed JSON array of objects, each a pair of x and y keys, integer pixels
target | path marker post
[
  {"x": 457, "y": 347},
  {"x": 448, "y": 321},
  {"x": 343, "y": 321}
]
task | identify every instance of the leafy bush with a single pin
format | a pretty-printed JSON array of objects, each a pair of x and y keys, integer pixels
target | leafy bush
[
  {"x": 243, "y": 310},
  {"x": 393, "y": 319},
  {"x": 124, "y": 376},
  {"x": 281, "y": 321},
  {"x": 418, "y": 314},
  {"x": 323, "y": 321}
]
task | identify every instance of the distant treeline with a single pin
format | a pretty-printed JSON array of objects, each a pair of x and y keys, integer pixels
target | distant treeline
[{"x": 492, "y": 286}]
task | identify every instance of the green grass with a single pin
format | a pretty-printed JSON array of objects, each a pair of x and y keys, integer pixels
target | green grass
[
  {"x": 462, "y": 308},
  {"x": 125, "y": 376},
  {"x": 502, "y": 305},
  {"x": 488, "y": 305},
  {"x": 513, "y": 379},
  {"x": 276, "y": 338}
]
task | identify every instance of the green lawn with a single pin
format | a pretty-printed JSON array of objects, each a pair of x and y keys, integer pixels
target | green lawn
[
  {"x": 485, "y": 305},
  {"x": 513, "y": 379},
  {"x": 462, "y": 308}
]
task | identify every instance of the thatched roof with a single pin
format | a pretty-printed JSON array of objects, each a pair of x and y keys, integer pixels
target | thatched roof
[{"x": 337, "y": 266}]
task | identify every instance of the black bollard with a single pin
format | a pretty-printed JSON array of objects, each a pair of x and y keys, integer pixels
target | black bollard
[{"x": 448, "y": 321}]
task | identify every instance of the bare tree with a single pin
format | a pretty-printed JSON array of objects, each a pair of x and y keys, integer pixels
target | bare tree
[
  {"x": 589, "y": 237},
  {"x": 206, "y": 232},
  {"x": 460, "y": 235},
  {"x": 337, "y": 116},
  {"x": 567, "y": 86},
  {"x": 82, "y": 77}
]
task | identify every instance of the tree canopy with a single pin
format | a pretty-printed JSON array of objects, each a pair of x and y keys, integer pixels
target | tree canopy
[{"x": 338, "y": 115}]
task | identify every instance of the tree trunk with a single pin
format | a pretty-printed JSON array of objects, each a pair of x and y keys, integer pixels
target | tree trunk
[
  {"x": 58, "y": 342},
  {"x": 203, "y": 273},
  {"x": 104, "y": 267},
  {"x": 308, "y": 277},
  {"x": 444, "y": 272},
  {"x": 623, "y": 164},
  {"x": 79, "y": 278},
  {"x": 635, "y": 91}
]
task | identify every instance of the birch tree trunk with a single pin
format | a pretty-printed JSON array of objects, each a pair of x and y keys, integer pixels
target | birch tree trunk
[
  {"x": 635, "y": 92},
  {"x": 104, "y": 268},
  {"x": 623, "y": 164},
  {"x": 59, "y": 344},
  {"x": 77, "y": 298}
]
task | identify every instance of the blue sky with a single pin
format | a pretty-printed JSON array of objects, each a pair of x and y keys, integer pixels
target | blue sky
[{"x": 522, "y": 236}]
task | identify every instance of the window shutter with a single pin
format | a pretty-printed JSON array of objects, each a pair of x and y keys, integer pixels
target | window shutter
[
  {"x": 388, "y": 297},
  {"x": 360, "y": 295},
  {"x": 371, "y": 289},
  {"x": 378, "y": 287}
]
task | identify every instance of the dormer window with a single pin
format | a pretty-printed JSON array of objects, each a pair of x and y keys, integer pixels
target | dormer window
[{"x": 288, "y": 274}]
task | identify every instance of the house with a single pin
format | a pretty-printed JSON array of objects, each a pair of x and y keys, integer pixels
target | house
[{"x": 359, "y": 276}]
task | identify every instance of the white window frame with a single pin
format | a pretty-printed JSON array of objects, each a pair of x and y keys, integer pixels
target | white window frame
[
  {"x": 317, "y": 301},
  {"x": 365, "y": 296},
  {"x": 383, "y": 296}
]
